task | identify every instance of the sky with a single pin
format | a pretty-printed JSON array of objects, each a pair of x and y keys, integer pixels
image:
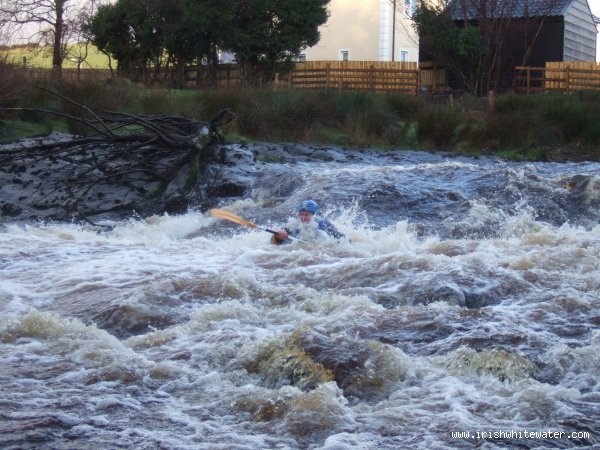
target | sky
[{"x": 595, "y": 7}]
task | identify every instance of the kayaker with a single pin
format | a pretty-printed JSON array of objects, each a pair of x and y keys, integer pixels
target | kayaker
[{"x": 306, "y": 226}]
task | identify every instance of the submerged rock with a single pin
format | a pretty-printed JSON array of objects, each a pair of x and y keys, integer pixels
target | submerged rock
[
  {"x": 288, "y": 364},
  {"x": 366, "y": 370},
  {"x": 497, "y": 363}
]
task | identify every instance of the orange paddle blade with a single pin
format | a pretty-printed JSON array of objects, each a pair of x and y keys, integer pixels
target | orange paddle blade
[{"x": 222, "y": 214}]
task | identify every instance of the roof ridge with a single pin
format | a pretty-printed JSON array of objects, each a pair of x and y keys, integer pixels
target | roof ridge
[{"x": 473, "y": 9}]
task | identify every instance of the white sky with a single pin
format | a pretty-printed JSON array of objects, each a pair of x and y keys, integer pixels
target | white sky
[{"x": 595, "y": 7}]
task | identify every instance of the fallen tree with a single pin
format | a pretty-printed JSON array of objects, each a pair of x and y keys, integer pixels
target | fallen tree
[{"x": 120, "y": 162}]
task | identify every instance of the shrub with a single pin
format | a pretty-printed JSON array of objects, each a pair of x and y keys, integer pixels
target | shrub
[
  {"x": 437, "y": 125},
  {"x": 12, "y": 83},
  {"x": 516, "y": 121},
  {"x": 338, "y": 117},
  {"x": 574, "y": 116},
  {"x": 404, "y": 106},
  {"x": 509, "y": 103},
  {"x": 364, "y": 112}
]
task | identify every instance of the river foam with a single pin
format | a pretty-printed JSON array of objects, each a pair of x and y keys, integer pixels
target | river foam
[{"x": 459, "y": 302}]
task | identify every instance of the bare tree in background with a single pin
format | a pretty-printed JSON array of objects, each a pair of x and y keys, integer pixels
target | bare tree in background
[
  {"x": 45, "y": 22},
  {"x": 481, "y": 42},
  {"x": 79, "y": 32}
]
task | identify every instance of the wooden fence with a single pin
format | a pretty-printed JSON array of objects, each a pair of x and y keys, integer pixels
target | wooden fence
[
  {"x": 227, "y": 75},
  {"x": 354, "y": 75},
  {"x": 375, "y": 76},
  {"x": 559, "y": 76},
  {"x": 44, "y": 74},
  {"x": 345, "y": 75},
  {"x": 431, "y": 77},
  {"x": 404, "y": 77}
]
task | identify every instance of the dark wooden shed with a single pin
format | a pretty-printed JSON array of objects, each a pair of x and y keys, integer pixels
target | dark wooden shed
[{"x": 536, "y": 31}]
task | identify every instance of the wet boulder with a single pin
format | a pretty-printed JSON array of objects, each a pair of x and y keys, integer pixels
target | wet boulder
[
  {"x": 280, "y": 364},
  {"x": 363, "y": 369},
  {"x": 366, "y": 370},
  {"x": 497, "y": 363}
]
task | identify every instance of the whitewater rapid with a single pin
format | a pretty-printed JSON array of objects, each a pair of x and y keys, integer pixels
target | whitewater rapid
[{"x": 462, "y": 312}]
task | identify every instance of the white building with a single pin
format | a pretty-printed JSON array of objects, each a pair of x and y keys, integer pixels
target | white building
[{"x": 367, "y": 30}]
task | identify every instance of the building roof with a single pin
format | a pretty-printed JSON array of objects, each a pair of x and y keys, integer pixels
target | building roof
[{"x": 474, "y": 9}]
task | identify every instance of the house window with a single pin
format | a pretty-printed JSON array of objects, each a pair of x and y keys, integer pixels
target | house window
[
  {"x": 300, "y": 58},
  {"x": 403, "y": 55},
  {"x": 344, "y": 55},
  {"x": 409, "y": 7}
]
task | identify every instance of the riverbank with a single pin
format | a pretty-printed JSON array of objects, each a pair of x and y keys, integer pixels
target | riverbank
[
  {"x": 551, "y": 127},
  {"x": 12, "y": 131}
]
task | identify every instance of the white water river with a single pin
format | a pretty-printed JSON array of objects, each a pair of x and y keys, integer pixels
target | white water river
[{"x": 464, "y": 313}]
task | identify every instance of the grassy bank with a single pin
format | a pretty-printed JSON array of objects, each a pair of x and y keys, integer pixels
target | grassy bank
[
  {"x": 536, "y": 127},
  {"x": 36, "y": 56}
]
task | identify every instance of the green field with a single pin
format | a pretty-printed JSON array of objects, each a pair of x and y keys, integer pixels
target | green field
[{"x": 42, "y": 57}]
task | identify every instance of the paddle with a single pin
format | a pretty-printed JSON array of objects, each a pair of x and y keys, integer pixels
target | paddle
[{"x": 222, "y": 214}]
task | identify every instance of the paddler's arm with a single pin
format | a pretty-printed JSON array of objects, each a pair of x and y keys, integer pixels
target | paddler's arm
[{"x": 330, "y": 229}]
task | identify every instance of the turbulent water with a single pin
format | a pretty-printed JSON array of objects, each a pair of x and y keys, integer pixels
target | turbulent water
[{"x": 463, "y": 311}]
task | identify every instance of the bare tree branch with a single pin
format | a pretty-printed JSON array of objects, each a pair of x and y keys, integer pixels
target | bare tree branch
[{"x": 78, "y": 174}]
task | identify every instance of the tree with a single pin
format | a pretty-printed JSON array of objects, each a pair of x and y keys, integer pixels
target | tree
[
  {"x": 481, "y": 42},
  {"x": 52, "y": 20},
  {"x": 461, "y": 51},
  {"x": 131, "y": 32},
  {"x": 79, "y": 33},
  {"x": 265, "y": 33},
  {"x": 195, "y": 33},
  {"x": 154, "y": 34}
]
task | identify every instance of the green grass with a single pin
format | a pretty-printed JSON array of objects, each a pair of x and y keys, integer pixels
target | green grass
[
  {"x": 534, "y": 154},
  {"x": 42, "y": 57},
  {"x": 13, "y": 130},
  {"x": 517, "y": 127}
]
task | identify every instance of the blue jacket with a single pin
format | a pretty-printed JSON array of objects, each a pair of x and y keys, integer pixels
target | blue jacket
[{"x": 295, "y": 230}]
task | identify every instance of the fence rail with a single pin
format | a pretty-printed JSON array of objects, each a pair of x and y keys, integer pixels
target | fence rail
[
  {"x": 45, "y": 74},
  {"x": 377, "y": 77},
  {"x": 403, "y": 77},
  {"x": 561, "y": 76},
  {"x": 227, "y": 75},
  {"x": 346, "y": 75}
]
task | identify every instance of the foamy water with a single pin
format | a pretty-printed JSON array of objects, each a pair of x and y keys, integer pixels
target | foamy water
[{"x": 464, "y": 312}]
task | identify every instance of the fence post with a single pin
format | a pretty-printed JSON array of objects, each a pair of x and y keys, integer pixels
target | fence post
[
  {"x": 490, "y": 100},
  {"x": 327, "y": 74},
  {"x": 528, "y": 79},
  {"x": 372, "y": 77},
  {"x": 568, "y": 80}
]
